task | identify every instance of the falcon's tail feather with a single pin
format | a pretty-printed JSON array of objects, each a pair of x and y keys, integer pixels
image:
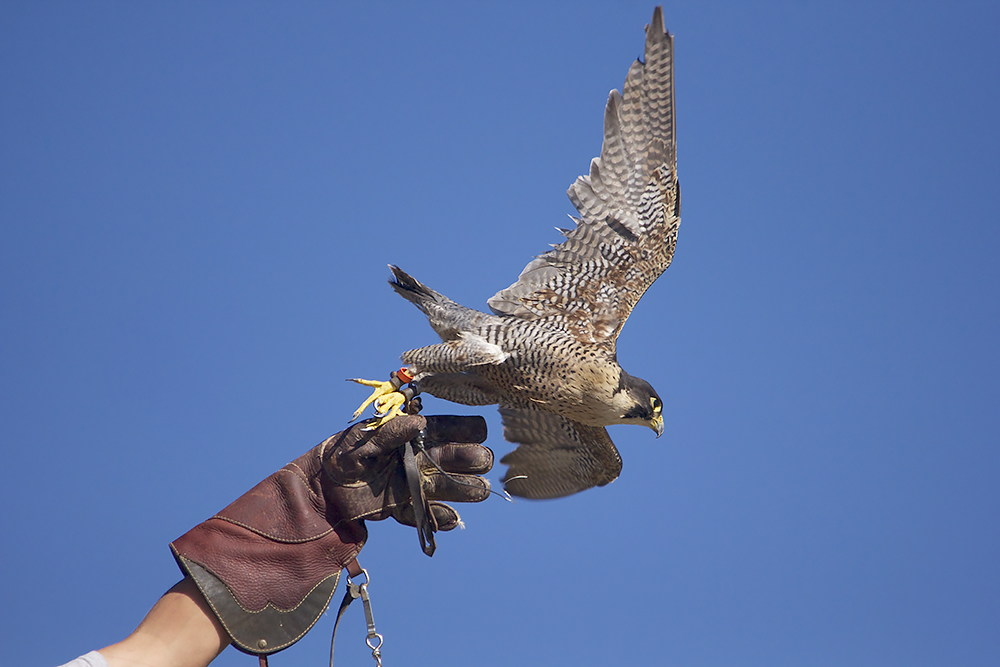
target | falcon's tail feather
[{"x": 413, "y": 290}]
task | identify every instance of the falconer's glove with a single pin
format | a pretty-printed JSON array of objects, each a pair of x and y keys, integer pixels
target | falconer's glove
[{"x": 269, "y": 563}]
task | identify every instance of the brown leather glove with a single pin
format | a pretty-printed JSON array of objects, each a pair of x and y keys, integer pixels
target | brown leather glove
[{"x": 269, "y": 563}]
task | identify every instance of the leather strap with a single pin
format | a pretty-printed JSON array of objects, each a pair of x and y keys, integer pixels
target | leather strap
[
  {"x": 421, "y": 510},
  {"x": 344, "y": 604},
  {"x": 353, "y": 568}
]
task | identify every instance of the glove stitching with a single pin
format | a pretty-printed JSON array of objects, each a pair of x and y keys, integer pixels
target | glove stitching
[
  {"x": 299, "y": 472},
  {"x": 272, "y": 537},
  {"x": 273, "y": 606}
]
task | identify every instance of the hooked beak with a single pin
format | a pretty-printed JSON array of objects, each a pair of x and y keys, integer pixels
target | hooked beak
[{"x": 657, "y": 425}]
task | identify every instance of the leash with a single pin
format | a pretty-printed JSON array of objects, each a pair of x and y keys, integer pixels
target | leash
[
  {"x": 354, "y": 591},
  {"x": 424, "y": 517},
  {"x": 425, "y": 531}
]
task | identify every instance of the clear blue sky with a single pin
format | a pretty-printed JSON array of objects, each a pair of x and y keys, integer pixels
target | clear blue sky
[{"x": 198, "y": 203}]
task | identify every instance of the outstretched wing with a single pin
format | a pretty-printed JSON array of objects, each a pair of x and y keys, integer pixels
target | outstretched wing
[
  {"x": 630, "y": 208},
  {"x": 555, "y": 456}
]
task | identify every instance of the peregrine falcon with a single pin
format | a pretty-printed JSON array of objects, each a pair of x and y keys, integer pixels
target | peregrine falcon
[{"x": 546, "y": 353}]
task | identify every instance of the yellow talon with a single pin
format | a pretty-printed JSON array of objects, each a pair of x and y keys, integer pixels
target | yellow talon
[
  {"x": 387, "y": 407},
  {"x": 387, "y": 398}
]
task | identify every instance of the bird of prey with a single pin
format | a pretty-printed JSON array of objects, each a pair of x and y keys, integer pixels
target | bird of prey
[{"x": 546, "y": 352}]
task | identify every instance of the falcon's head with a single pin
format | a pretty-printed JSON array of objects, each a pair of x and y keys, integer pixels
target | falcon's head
[{"x": 638, "y": 403}]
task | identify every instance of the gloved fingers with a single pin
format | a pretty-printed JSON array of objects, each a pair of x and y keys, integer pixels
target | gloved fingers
[
  {"x": 458, "y": 458},
  {"x": 455, "y": 428},
  {"x": 356, "y": 444},
  {"x": 445, "y": 516},
  {"x": 397, "y": 432},
  {"x": 456, "y": 488},
  {"x": 441, "y": 430}
]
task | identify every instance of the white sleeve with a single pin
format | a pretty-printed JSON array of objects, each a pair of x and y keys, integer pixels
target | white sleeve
[{"x": 92, "y": 659}]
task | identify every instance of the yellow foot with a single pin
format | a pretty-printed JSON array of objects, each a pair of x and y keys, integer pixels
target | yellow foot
[{"x": 387, "y": 398}]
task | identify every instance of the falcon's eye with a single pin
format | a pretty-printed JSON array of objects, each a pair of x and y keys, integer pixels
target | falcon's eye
[{"x": 657, "y": 405}]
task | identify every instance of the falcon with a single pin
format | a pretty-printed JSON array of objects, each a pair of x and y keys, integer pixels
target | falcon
[{"x": 545, "y": 354}]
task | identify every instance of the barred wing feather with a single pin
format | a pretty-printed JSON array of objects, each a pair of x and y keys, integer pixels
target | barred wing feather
[
  {"x": 630, "y": 211},
  {"x": 555, "y": 456}
]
